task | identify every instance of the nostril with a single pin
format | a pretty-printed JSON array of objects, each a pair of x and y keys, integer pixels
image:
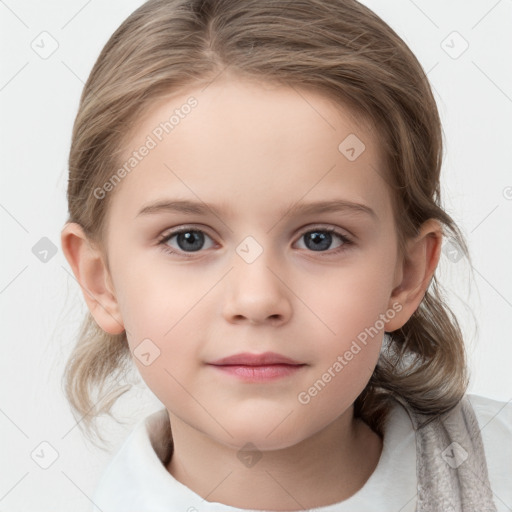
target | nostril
[{"x": 275, "y": 318}]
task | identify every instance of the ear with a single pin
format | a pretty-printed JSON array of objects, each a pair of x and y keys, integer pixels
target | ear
[
  {"x": 92, "y": 274},
  {"x": 414, "y": 273}
]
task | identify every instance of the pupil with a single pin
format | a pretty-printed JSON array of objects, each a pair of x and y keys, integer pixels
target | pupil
[
  {"x": 320, "y": 240},
  {"x": 193, "y": 240}
]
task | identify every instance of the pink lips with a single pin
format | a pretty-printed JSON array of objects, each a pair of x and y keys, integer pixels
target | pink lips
[{"x": 257, "y": 367}]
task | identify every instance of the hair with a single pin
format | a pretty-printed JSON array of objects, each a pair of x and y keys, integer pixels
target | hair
[{"x": 337, "y": 48}]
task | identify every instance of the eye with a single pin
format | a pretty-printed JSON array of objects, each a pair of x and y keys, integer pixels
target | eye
[
  {"x": 187, "y": 240},
  {"x": 319, "y": 239}
]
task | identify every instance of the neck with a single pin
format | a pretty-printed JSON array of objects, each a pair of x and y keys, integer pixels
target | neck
[{"x": 326, "y": 468}]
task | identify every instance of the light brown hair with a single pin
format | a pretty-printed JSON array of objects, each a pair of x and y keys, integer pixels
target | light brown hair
[{"x": 338, "y": 48}]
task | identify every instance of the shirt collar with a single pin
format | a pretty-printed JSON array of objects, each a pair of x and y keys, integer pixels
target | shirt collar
[{"x": 137, "y": 478}]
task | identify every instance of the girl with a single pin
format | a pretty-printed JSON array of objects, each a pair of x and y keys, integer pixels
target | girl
[{"x": 255, "y": 220}]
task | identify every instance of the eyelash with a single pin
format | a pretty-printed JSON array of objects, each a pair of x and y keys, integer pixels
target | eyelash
[{"x": 347, "y": 242}]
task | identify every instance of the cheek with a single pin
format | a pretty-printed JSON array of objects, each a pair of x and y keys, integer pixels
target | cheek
[
  {"x": 168, "y": 313},
  {"x": 339, "y": 376},
  {"x": 155, "y": 297},
  {"x": 166, "y": 355},
  {"x": 344, "y": 302}
]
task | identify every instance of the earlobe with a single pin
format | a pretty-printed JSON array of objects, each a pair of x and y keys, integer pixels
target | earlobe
[
  {"x": 416, "y": 271},
  {"x": 87, "y": 264}
]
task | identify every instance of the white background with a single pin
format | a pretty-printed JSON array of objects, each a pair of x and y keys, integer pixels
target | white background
[{"x": 41, "y": 303}]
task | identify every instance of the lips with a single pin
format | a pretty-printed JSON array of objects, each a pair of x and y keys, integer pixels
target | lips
[
  {"x": 248, "y": 359},
  {"x": 257, "y": 368}
]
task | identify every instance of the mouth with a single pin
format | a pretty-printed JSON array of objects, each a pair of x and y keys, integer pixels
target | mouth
[
  {"x": 248, "y": 359},
  {"x": 258, "y": 367}
]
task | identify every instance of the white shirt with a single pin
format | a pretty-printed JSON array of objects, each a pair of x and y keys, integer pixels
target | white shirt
[{"x": 136, "y": 480}]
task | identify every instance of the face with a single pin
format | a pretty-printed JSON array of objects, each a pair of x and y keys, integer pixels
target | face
[{"x": 258, "y": 269}]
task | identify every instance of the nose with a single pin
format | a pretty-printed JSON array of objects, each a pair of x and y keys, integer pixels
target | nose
[{"x": 257, "y": 293}]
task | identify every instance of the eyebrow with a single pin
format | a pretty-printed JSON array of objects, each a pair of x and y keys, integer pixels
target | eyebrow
[{"x": 200, "y": 208}]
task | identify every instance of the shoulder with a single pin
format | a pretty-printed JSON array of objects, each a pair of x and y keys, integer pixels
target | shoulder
[
  {"x": 485, "y": 404},
  {"x": 135, "y": 475},
  {"x": 494, "y": 419},
  {"x": 493, "y": 416}
]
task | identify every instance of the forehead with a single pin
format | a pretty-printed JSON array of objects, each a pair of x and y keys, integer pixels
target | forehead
[{"x": 252, "y": 146}]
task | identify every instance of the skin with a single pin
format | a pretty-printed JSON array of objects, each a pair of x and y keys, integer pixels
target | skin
[{"x": 257, "y": 149}]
